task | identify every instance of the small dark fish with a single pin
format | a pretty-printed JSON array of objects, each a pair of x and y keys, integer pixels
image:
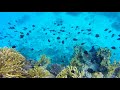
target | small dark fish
[
  {"x": 109, "y": 31},
  {"x": 62, "y": 30},
  {"x": 48, "y": 40},
  {"x": 105, "y": 29},
  {"x": 58, "y": 37},
  {"x": 13, "y": 46},
  {"x": 85, "y": 52},
  {"x": 78, "y": 33},
  {"x": 89, "y": 29},
  {"x": 82, "y": 43},
  {"x": 93, "y": 49},
  {"x": 113, "y": 35},
  {"x": 97, "y": 35},
  {"x": 63, "y": 42},
  {"x": 113, "y": 47},
  {"x": 118, "y": 39},
  {"x": 74, "y": 39}
]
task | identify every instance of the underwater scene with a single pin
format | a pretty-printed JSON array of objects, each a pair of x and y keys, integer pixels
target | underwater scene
[{"x": 59, "y": 44}]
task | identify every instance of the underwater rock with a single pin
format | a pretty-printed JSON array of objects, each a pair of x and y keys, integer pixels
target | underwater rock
[
  {"x": 97, "y": 35},
  {"x": 55, "y": 69},
  {"x": 117, "y": 72}
]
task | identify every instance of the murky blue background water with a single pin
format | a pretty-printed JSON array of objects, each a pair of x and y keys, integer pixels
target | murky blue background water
[{"x": 56, "y": 33}]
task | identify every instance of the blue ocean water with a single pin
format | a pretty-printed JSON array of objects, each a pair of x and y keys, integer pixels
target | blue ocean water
[{"x": 56, "y": 33}]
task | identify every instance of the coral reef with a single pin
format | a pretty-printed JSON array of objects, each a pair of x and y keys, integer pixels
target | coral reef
[
  {"x": 11, "y": 63},
  {"x": 104, "y": 53},
  {"x": 83, "y": 64},
  {"x": 44, "y": 61},
  {"x": 117, "y": 72},
  {"x": 55, "y": 68},
  {"x": 97, "y": 75},
  {"x": 39, "y": 72},
  {"x": 70, "y": 72},
  {"x": 79, "y": 58}
]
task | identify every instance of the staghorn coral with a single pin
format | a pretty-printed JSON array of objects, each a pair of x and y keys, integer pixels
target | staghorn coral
[
  {"x": 39, "y": 72},
  {"x": 11, "y": 63},
  {"x": 44, "y": 61},
  {"x": 70, "y": 72}
]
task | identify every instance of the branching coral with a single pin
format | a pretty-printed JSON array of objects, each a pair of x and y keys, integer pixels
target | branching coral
[
  {"x": 39, "y": 72},
  {"x": 79, "y": 59},
  {"x": 104, "y": 53},
  {"x": 97, "y": 75},
  {"x": 117, "y": 72},
  {"x": 75, "y": 62},
  {"x": 70, "y": 72},
  {"x": 11, "y": 63},
  {"x": 39, "y": 68},
  {"x": 111, "y": 69},
  {"x": 44, "y": 61}
]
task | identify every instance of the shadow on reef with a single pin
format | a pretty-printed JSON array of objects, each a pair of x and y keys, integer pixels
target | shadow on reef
[{"x": 83, "y": 64}]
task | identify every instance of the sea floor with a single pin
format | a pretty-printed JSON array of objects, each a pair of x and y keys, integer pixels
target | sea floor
[{"x": 56, "y": 33}]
